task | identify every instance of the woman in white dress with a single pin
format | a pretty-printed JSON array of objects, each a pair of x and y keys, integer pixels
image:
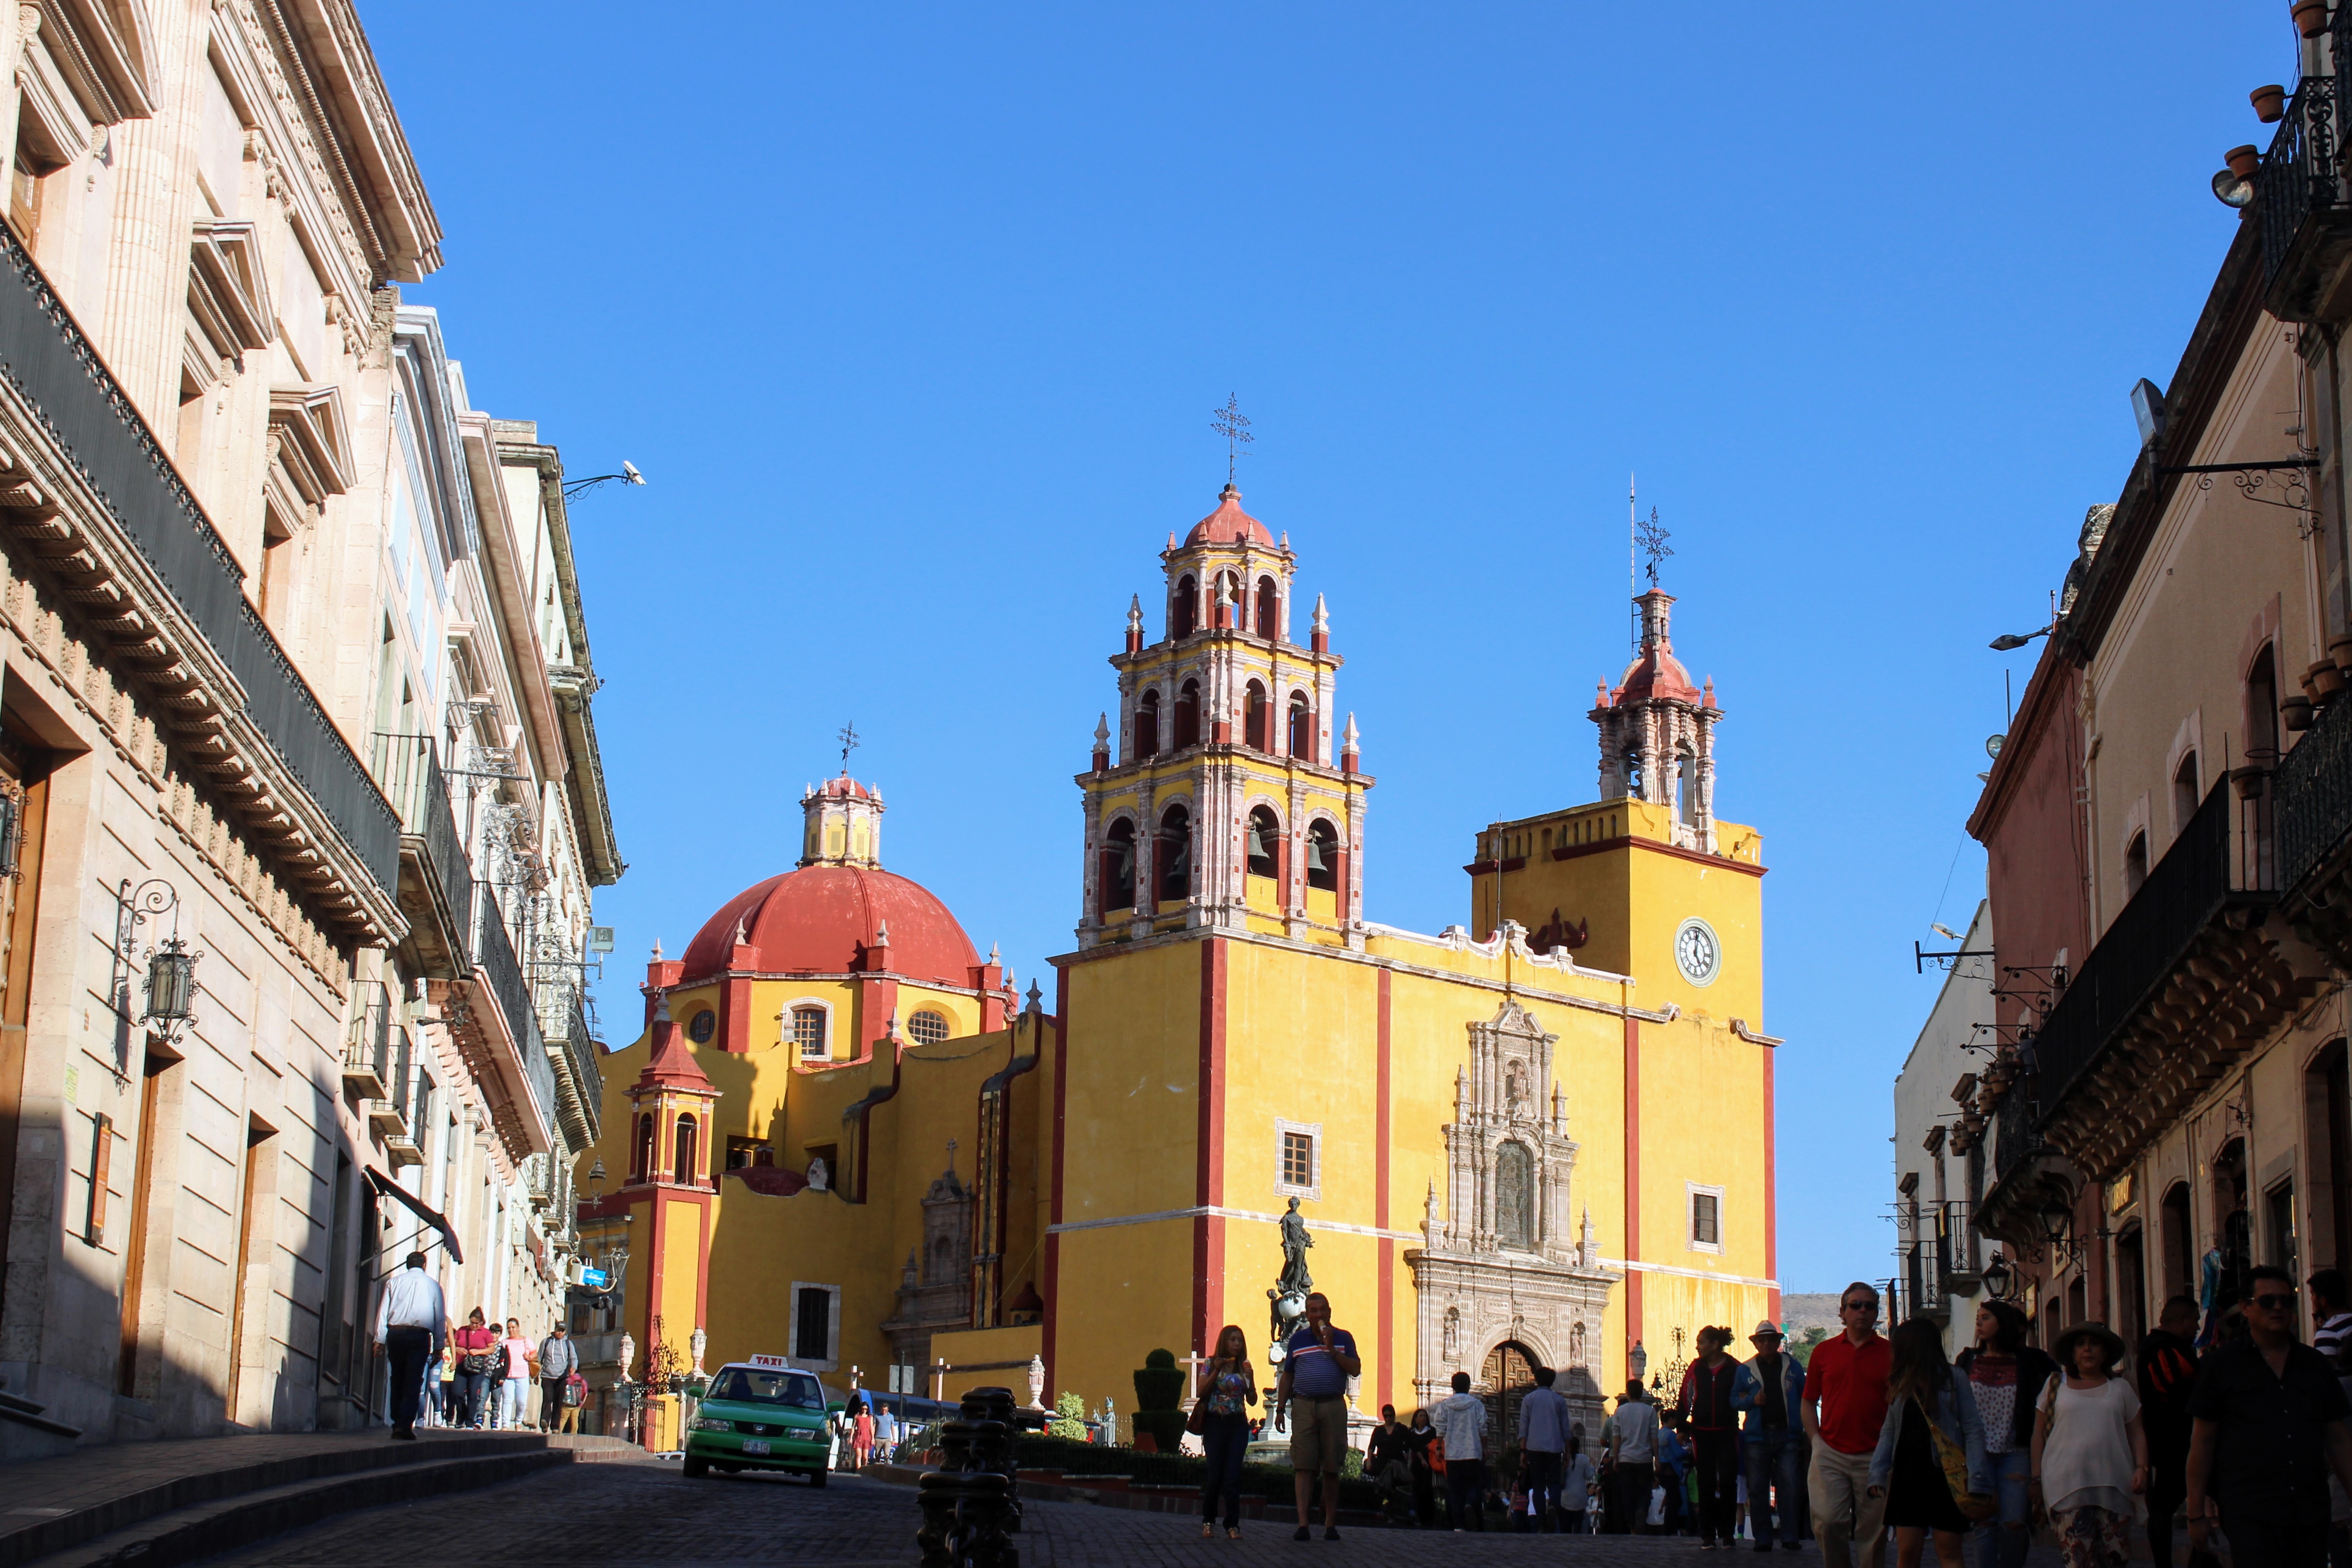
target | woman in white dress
[{"x": 2090, "y": 1455}]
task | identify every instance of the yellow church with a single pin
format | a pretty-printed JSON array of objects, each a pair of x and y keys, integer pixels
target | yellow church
[{"x": 1542, "y": 1137}]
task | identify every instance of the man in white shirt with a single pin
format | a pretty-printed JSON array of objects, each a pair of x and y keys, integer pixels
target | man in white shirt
[
  {"x": 1461, "y": 1422},
  {"x": 1634, "y": 1450},
  {"x": 411, "y": 1322}
]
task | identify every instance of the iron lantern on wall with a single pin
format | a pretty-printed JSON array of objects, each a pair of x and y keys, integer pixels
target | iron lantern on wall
[
  {"x": 1999, "y": 1278},
  {"x": 12, "y": 828},
  {"x": 170, "y": 982}
]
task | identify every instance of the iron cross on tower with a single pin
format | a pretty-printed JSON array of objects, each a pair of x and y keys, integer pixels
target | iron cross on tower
[
  {"x": 1653, "y": 544},
  {"x": 848, "y": 738},
  {"x": 1235, "y": 426}
]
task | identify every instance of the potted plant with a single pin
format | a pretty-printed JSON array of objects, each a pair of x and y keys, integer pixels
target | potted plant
[
  {"x": 2310, "y": 17},
  {"x": 2323, "y": 681},
  {"x": 2249, "y": 779},
  {"x": 2295, "y": 712},
  {"x": 2244, "y": 162},
  {"x": 2270, "y": 103}
]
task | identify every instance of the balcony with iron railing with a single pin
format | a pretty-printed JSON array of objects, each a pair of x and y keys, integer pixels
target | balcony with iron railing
[
  {"x": 2180, "y": 983},
  {"x": 2300, "y": 194},
  {"x": 520, "y": 1053},
  {"x": 2313, "y": 789},
  {"x": 437, "y": 877},
  {"x": 367, "y": 1050},
  {"x": 578, "y": 1075}
]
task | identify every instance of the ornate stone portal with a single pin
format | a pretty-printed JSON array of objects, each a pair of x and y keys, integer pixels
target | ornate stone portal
[{"x": 1500, "y": 1269}]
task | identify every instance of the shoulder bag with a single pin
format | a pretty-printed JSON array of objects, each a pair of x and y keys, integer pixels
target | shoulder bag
[{"x": 1975, "y": 1507}]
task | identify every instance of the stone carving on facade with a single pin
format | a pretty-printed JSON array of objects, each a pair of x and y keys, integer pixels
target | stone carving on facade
[
  {"x": 1503, "y": 1263},
  {"x": 935, "y": 1288}
]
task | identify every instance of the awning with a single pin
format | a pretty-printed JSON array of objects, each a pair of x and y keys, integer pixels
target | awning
[{"x": 385, "y": 1186}]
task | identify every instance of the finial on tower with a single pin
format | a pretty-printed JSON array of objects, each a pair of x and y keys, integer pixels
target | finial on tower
[
  {"x": 1235, "y": 426},
  {"x": 1320, "y": 638},
  {"x": 1036, "y": 998},
  {"x": 849, "y": 742},
  {"x": 1349, "y": 751},
  {"x": 661, "y": 1007},
  {"x": 657, "y": 952}
]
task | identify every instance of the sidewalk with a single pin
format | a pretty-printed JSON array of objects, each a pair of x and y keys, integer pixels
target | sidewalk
[{"x": 210, "y": 1492}]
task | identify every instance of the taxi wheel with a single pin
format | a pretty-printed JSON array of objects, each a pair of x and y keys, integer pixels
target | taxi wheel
[
  {"x": 816, "y": 1477},
  {"x": 694, "y": 1469}
]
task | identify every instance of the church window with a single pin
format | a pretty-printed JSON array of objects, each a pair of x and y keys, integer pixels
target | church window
[
  {"x": 808, "y": 1033},
  {"x": 1322, "y": 856},
  {"x": 1187, "y": 715},
  {"x": 642, "y": 1166},
  {"x": 1264, "y": 840},
  {"x": 816, "y": 1324},
  {"x": 1302, "y": 728},
  {"x": 927, "y": 1027},
  {"x": 1253, "y": 725},
  {"x": 1147, "y": 725},
  {"x": 686, "y": 1169},
  {"x": 1705, "y": 1218},
  {"x": 2134, "y": 863},
  {"x": 1184, "y": 615},
  {"x": 1299, "y": 1159},
  {"x": 1175, "y": 855},
  {"x": 705, "y": 1025},
  {"x": 1515, "y": 1197},
  {"x": 1269, "y": 609},
  {"x": 1117, "y": 870}
]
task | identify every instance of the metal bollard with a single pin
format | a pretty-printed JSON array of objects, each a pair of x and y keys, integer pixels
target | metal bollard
[{"x": 969, "y": 1504}]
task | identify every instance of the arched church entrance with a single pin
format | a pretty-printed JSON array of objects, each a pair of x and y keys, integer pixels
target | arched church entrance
[{"x": 1509, "y": 1373}]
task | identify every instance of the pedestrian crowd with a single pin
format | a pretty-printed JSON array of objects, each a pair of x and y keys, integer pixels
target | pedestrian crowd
[
  {"x": 2227, "y": 1421},
  {"x": 473, "y": 1376}
]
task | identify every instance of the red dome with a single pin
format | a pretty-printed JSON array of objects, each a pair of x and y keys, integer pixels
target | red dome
[
  {"x": 1657, "y": 673},
  {"x": 825, "y": 918},
  {"x": 1229, "y": 524}
]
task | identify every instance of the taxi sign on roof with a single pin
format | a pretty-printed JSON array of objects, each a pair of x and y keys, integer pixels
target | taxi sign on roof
[{"x": 768, "y": 1361}]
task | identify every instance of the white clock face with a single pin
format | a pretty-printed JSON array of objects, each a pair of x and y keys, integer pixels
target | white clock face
[{"x": 1697, "y": 953}]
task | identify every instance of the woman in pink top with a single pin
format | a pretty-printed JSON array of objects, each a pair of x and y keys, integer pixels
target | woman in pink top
[
  {"x": 862, "y": 1435},
  {"x": 513, "y": 1391}
]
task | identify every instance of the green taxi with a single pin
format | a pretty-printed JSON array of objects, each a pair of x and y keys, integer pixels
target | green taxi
[{"x": 761, "y": 1414}]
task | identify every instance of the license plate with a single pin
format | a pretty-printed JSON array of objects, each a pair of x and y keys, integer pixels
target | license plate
[{"x": 755, "y": 1445}]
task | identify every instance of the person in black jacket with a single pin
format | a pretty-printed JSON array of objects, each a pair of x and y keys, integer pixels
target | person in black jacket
[
  {"x": 2007, "y": 1374},
  {"x": 2168, "y": 1376}
]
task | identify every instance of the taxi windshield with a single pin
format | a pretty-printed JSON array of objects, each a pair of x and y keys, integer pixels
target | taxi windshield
[{"x": 752, "y": 1386}]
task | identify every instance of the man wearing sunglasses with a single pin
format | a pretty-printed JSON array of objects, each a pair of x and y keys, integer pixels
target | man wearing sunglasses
[
  {"x": 1845, "y": 1406},
  {"x": 2270, "y": 1423}
]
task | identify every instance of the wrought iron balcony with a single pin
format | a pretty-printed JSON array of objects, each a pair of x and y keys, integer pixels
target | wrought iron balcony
[
  {"x": 46, "y": 360},
  {"x": 580, "y": 1077},
  {"x": 2302, "y": 202},
  {"x": 2313, "y": 791},
  {"x": 2180, "y": 983},
  {"x": 389, "y": 1112},
  {"x": 437, "y": 878},
  {"x": 367, "y": 1054},
  {"x": 495, "y": 964}
]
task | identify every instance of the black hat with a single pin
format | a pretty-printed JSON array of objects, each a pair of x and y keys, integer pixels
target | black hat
[{"x": 2109, "y": 1341}]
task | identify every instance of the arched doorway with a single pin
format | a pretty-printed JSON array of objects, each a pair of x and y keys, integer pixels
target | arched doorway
[{"x": 1509, "y": 1373}]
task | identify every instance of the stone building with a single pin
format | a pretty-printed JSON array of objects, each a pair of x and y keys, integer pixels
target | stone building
[
  {"x": 2167, "y": 825},
  {"x": 240, "y": 491},
  {"x": 1939, "y": 1156}
]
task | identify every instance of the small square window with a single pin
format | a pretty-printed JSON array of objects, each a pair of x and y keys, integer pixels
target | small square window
[
  {"x": 1298, "y": 1159},
  {"x": 1705, "y": 1218},
  {"x": 808, "y": 1033}
]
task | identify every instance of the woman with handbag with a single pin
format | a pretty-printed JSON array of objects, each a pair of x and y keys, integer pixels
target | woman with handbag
[
  {"x": 1930, "y": 1464},
  {"x": 2090, "y": 1452},
  {"x": 478, "y": 1353},
  {"x": 1219, "y": 1418}
]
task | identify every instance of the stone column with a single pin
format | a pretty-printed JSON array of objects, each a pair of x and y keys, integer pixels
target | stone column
[
  {"x": 19, "y": 25},
  {"x": 147, "y": 255}
]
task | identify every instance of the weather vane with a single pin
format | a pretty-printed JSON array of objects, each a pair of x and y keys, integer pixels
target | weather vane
[
  {"x": 848, "y": 738},
  {"x": 1653, "y": 544},
  {"x": 1232, "y": 423}
]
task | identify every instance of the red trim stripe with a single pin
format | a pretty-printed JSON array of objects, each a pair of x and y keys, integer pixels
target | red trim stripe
[
  {"x": 1053, "y": 1291},
  {"x": 1632, "y": 1179},
  {"x": 1771, "y": 1191},
  {"x": 1381, "y": 1127},
  {"x": 1209, "y": 1177}
]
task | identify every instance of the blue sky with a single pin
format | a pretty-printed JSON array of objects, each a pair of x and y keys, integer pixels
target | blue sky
[{"x": 914, "y": 318}]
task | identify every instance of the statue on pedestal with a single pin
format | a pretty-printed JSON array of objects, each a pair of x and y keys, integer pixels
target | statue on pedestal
[
  {"x": 1036, "y": 1382},
  {"x": 1289, "y": 1293},
  {"x": 699, "y": 1343}
]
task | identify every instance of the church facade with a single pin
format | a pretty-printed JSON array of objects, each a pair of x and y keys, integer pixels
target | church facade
[{"x": 1541, "y": 1137}]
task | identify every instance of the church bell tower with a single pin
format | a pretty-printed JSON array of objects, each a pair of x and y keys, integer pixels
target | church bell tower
[{"x": 1227, "y": 798}]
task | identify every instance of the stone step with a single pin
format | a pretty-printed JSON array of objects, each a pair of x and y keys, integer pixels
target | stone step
[
  {"x": 185, "y": 1535},
  {"x": 64, "y": 1504}
]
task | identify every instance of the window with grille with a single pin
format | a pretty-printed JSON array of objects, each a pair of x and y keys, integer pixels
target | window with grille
[
  {"x": 1298, "y": 1159},
  {"x": 1707, "y": 1219},
  {"x": 813, "y": 1324},
  {"x": 928, "y": 1028},
  {"x": 808, "y": 1032}
]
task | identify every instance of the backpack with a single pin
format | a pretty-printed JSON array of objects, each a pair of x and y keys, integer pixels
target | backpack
[{"x": 575, "y": 1390}]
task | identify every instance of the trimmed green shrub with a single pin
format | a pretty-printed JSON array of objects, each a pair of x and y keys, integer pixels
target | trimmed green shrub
[
  {"x": 1159, "y": 1390},
  {"x": 1069, "y": 1421}
]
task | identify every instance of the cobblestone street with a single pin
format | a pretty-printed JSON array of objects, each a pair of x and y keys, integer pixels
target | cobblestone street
[{"x": 646, "y": 1514}]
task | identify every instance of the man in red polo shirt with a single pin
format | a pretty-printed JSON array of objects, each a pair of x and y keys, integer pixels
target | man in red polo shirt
[{"x": 1845, "y": 1406}]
